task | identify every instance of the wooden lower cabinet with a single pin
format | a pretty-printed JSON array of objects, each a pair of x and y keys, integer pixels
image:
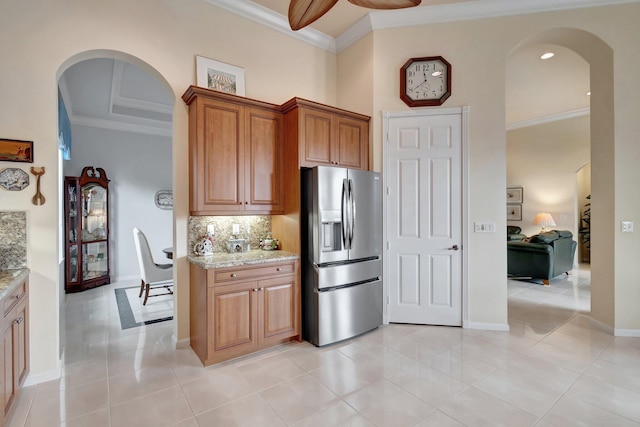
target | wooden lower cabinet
[
  {"x": 238, "y": 310},
  {"x": 15, "y": 343}
]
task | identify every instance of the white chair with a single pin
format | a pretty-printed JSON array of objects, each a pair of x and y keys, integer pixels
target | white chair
[{"x": 153, "y": 275}]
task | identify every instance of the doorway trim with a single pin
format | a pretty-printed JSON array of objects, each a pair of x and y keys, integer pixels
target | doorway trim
[{"x": 464, "y": 111}]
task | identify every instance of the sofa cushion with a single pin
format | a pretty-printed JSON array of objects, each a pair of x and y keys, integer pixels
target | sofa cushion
[
  {"x": 546, "y": 237},
  {"x": 564, "y": 233}
]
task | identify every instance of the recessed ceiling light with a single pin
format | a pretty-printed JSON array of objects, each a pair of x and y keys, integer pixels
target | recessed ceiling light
[
  {"x": 589, "y": 93},
  {"x": 547, "y": 55}
]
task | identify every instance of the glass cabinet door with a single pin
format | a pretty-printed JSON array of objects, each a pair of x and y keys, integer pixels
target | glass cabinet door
[
  {"x": 94, "y": 260},
  {"x": 94, "y": 212}
]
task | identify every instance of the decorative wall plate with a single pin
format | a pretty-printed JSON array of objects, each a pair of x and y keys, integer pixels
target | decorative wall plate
[
  {"x": 14, "y": 179},
  {"x": 164, "y": 199}
]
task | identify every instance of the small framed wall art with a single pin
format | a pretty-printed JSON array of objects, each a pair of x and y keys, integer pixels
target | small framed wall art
[
  {"x": 219, "y": 76},
  {"x": 514, "y": 212},
  {"x": 514, "y": 194},
  {"x": 164, "y": 199},
  {"x": 13, "y": 150}
]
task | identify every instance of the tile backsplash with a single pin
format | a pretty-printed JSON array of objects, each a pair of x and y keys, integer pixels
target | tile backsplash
[
  {"x": 253, "y": 228},
  {"x": 13, "y": 240}
]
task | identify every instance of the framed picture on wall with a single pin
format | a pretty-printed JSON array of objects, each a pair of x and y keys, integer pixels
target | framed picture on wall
[
  {"x": 514, "y": 194},
  {"x": 514, "y": 212},
  {"x": 13, "y": 150},
  {"x": 219, "y": 76}
]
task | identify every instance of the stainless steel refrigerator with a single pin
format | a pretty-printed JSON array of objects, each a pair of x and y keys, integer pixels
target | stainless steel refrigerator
[{"x": 341, "y": 222}]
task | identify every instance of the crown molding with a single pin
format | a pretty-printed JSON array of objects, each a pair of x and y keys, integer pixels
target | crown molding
[
  {"x": 477, "y": 10},
  {"x": 262, "y": 15},
  {"x": 548, "y": 119},
  {"x": 377, "y": 20},
  {"x": 118, "y": 100},
  {"x": 158, "y": 129},
  {"x": 354, "y": 33}
]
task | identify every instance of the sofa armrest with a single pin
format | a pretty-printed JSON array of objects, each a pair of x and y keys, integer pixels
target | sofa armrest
[{"x": 525, "y": 259}]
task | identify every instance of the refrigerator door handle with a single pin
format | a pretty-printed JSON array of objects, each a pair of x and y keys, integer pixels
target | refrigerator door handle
[
  {"x": 352, "y": 203},
  {"x": 345, "y": 215}
]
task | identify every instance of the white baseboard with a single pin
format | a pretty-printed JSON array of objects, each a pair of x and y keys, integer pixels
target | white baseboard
[
  {"x": 184, "y": 343},
  {"x": 615, "y": 331},
  {"x": 33, "y": 379},
  {"x": 627, "y": 332},
  {"x": 486, "y": 326},
  {"x": 598, "y": 324}
]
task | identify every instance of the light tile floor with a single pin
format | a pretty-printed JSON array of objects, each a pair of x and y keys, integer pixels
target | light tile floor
[{"x": 552, "y": 369}]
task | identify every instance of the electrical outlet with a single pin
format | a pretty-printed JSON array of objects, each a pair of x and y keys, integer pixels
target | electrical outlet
[
  {"x": 235, "y": 229},
  {"x": 210, "y": 229},
  {"x": 626, "y": 226}
]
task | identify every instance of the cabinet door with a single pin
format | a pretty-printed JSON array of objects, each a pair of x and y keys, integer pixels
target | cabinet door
[
  {"x": 8, "y": 371},
  {"x": 263, "y": 153},
  {"x": 233, "y": 323},
  {"x": 316, "y": 133},
  {"x": 279, "y": 309},
  {"x": 20, "y": 343},
  {"x": 352, "y": 143},
  {"x": 218, "y": 177}
]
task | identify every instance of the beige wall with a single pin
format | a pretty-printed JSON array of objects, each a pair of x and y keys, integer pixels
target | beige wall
[
  {"x": 544, "y": 160},
  {"x": 477, "y": 51},
  {"x": 37, "y": 40}
]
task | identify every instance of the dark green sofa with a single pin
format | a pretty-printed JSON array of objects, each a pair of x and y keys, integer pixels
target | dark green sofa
[
  {"x": 544, "y": 256},
  {"x": 514, "y": 233}
]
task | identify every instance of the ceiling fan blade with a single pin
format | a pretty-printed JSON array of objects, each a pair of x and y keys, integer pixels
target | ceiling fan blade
[
  {"x": 304, "y": 12},
  {"x": 386, "y": 4}
]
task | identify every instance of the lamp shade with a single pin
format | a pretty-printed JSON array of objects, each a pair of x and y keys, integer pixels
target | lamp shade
[{"x": 544, "y": 219}]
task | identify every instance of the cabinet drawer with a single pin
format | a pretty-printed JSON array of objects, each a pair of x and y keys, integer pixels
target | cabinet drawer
[
  {"x": 252, "y": 272},
  {"x": 12, "y": 299}
]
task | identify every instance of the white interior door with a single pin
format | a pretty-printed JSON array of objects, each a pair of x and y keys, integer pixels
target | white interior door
[{"x": 423, "y": 175}]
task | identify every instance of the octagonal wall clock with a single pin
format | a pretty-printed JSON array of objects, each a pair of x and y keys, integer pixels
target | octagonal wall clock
[{"x": 425, "y": 81}]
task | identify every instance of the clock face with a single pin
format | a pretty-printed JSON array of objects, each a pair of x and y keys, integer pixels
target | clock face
[{"x": 425, "y": 81}]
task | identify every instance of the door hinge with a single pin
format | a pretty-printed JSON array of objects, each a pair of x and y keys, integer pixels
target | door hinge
[
  {"x": 387, "y": 245},
  {"x": 387, "y": 299}
]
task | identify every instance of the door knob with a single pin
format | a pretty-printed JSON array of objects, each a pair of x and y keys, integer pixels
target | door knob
[{"x": 453, "y": 248}]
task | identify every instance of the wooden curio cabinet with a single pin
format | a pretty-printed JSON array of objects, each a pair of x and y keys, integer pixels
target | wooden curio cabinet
[{"x": 87, "y": 230}]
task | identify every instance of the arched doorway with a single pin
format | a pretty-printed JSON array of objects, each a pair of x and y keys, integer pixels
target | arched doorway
[
  {"x": 599, "y": 56},
  {"x": 121, "y": 114}
]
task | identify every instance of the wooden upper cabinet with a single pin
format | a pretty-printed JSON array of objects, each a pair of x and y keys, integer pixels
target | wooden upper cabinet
[
  {"x": 327, "y": 135},
  {"x": 236, "y": 149},
  {"x": 352, "y": 143},
  {"x": 220, "y": 159},
  {"x": 263, "y": 160}
]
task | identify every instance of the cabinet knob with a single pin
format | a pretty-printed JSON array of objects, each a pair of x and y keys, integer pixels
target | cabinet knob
[
  {"x": 261, "y": 289},
  {"x": 278, "y": 269},
  {"x": 234, "y": 275},
  {"x": 255, "y": 289},
  {"x": 19, "y": 320},
  {"x": 17, "y": 296}
]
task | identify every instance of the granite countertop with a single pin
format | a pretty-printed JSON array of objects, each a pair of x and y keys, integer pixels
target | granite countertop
[
  {"x": 9, "y": 279},
  {"x": 223, "y": 259}
]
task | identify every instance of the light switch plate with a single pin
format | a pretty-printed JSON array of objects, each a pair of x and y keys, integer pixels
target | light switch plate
[
  {"x": 626, "y": 226},
  {"x": 484, "y": 227}
]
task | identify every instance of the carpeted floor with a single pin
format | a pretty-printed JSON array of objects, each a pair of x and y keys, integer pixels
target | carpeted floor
[{"x": 134, "y": 314}]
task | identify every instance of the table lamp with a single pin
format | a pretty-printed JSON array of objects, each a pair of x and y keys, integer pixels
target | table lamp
[{"x": 544, "y": 219}]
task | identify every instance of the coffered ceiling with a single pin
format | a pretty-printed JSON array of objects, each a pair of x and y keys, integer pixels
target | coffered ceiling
[{"x": 113, "y": 94}]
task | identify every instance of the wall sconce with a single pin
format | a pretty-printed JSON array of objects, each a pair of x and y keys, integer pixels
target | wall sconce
[{"x": 544, "y": 219}]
